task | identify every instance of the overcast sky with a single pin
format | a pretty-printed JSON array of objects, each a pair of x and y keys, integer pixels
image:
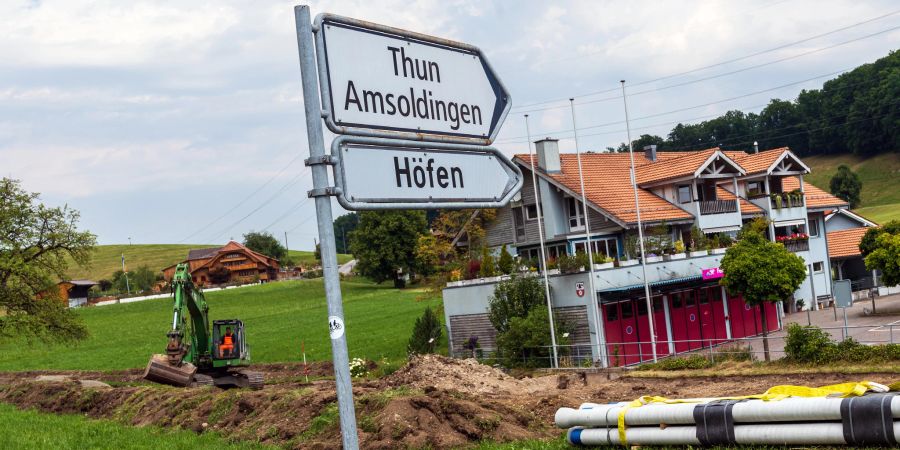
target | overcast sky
[{"x": 180, "y": 121}]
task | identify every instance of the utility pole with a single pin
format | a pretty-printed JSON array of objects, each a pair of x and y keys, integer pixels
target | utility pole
[{"x": 125, "y": 272}]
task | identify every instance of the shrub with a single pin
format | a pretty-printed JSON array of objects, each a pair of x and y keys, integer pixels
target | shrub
[
  {"x": 487, "y": 264},
  {"x": 693, "y": 362},
  {"x": 526, "y": 341},
  {"x": 426, "y": 334},
  {"x": 806, "y": 344},
  {"x": 506, "y": 263}
]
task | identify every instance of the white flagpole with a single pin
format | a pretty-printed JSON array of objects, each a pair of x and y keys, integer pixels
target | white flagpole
[
  {"x": 637, "y": 206},
  {"x": 555, "y": 362},
  {"x": 595, "y": 307}
]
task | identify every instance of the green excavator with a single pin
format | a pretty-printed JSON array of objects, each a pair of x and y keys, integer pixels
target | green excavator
[{"x": 196, "y": 354}]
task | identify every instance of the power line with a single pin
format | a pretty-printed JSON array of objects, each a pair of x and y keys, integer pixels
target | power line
[
  {"x": 724, "y": 74},
  {"x": 761, "y": 136},
  {"x": 217, "y": 219},
  {"x": 278, "y": 193},
  {"x": 617, "y": 122},
  {"x": 566, "y": 133},
  {"x": 290, "y": 211},
  {"x": 698, "y": 69}
]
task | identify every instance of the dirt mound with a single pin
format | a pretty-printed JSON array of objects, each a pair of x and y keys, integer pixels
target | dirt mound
[
  {"x": 463, "y": 375},
  {"x": 290, "y": 416}
]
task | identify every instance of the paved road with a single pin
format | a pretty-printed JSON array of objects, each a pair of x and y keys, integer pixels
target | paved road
[
  {"x": 882, "y": 327},
  {"x": 347, "y": 268}
]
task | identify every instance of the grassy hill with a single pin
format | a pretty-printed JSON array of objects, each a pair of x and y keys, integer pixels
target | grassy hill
[
  {"x": 278, "y": 317},
  {"x": 108, "y": 258},
  {"x": 880, "y": 176}
]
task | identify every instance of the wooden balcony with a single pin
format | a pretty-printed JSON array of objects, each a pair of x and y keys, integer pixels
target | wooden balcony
[
  {"x": 240, "y": 267},
  {"x": 718, "y": 207}
]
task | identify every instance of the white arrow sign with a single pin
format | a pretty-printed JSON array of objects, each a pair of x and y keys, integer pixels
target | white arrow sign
[
  {"x": 378, "y": 173},
  {"x": 383, "y": 81}
]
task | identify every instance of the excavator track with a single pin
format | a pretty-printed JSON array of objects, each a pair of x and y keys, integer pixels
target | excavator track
[{"x": 255, "y": 380}]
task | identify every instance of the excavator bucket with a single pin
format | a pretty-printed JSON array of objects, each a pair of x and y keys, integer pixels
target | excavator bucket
[{"x": 160, "y": 371}]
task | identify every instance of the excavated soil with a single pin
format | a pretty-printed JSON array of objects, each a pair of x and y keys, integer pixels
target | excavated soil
[{"x": 432, "y": 402}]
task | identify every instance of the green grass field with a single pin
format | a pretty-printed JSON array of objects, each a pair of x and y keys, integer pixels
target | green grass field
[
  {"x": 879, "y": 174},
  {"x": 38, "y": 431},
  {"x": 277, "y": 316},
  {"x": 108, "y": 258}
]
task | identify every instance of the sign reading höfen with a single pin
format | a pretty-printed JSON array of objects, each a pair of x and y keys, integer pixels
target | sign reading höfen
[
  {"x": 377, "y": 173},
  {"x": 386, "y": 82}
]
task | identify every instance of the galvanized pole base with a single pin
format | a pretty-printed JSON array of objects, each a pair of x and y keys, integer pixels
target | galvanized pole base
[{"x": 321, "y": 191}]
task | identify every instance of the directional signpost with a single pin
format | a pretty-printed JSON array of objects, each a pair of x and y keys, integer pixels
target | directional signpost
[
  {"x": 383, "y": 81},
  {"x": 375, "y": 173},
  {"x": 415, "y": 113}
]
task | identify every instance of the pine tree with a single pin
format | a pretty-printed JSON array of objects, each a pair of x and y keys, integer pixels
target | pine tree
[
  {"x": 487, "y": 264},
  {"x": 426, "y": 334},
  {"x": 506, "y": 263}
]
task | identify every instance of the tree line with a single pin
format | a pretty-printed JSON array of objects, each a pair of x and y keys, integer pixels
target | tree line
[{"x": 858, "y": 112}]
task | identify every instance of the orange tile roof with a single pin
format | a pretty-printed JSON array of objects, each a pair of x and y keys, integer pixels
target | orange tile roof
[
  {"x": 845, "y": 243},
  {"x": 685, "y": 164},
  {"x": 607, "y": 181},
  {"x": 815, "y": 197},
  {"x": 756, "y": 162}
]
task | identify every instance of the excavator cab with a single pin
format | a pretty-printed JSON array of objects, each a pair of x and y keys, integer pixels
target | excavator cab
[{"x": 228, "y": 340}]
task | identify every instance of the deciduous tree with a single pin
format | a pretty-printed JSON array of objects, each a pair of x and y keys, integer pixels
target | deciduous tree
[
  {"x": 263, "y": 242},
  {"x": 845, "y": 185},
  {"x": 385, "y": 242},
  {"x": 885, "y": 256},
  {"x": 761, "y": 271},
  {"x": 36, "y": 243}
]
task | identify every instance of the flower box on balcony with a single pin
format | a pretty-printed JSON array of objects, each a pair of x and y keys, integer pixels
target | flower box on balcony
[
  {"x": 718, "y": 251},
  {"x": 675, "y": 256},
  {"x": 628, "y": 262},
  {"x": 553, "y": 272},
  {"x": 606, "y": 265},
  {"x": 654, "y": 259},
  {"x": 698, "y": 253}
]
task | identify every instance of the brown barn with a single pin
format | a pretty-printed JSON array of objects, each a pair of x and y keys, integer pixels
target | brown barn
[
  {"x": 75, "y": 292},
  {"x": 233, "y": 263}
]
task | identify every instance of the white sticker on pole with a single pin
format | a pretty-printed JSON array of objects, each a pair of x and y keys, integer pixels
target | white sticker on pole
[{"x": 335, "y": 327}]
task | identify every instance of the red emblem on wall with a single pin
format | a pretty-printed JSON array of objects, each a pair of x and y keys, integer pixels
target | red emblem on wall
[{"x": 579, "y": 288}]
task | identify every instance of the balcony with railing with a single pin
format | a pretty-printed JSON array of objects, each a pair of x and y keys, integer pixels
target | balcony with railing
[
  {"x": 717, "y": 214},
  {"x": 795, "y": 245},
  {"x": 717, "y": 207}
]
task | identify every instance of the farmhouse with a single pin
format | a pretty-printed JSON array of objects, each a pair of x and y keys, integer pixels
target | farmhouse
[
  {"x": 228, "y": 264},
  {"x": 695, "y": 203}
]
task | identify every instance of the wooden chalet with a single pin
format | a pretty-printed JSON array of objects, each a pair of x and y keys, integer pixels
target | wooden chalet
[{"x": 243, "y": 265}]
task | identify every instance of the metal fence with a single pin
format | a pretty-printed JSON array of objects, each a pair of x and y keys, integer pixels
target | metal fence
[{"x": 629, "y": 354}]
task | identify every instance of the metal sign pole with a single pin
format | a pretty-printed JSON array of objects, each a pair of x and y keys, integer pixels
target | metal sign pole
[{"x": 321, "y": 191}]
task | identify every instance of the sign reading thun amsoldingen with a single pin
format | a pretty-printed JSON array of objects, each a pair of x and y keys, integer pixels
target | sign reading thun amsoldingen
[{"x": 381, "y": 83}]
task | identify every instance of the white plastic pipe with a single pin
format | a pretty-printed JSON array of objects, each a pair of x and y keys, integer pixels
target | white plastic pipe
[
  {"x": 814, "y": 409},
  {"x": 762, "y": 434}
]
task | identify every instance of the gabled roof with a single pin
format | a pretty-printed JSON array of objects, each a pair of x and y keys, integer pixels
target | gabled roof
[
  {"x": 766, "y": 161},
  {"x": 845, "y": 243},
  {"x": 862, "y": 221},
  {"x": 816, "y": 199},
  {"x": 202, "y": 253},
  {"x": 607, "y": 181},
  {"x": 234, "y": 246},
  {"x": 687, "y": 164}
]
